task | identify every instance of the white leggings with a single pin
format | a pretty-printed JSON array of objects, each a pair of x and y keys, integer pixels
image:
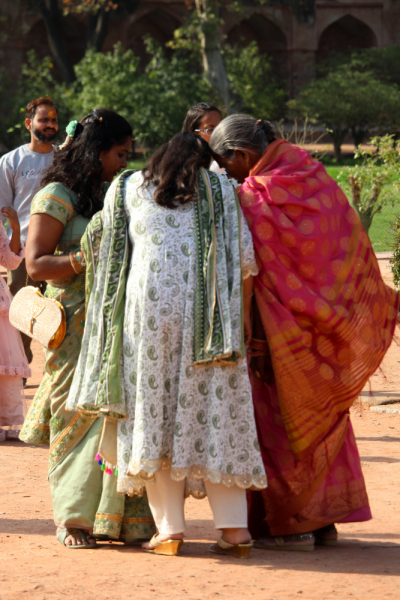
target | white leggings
[{"x": 166, "y": 500}]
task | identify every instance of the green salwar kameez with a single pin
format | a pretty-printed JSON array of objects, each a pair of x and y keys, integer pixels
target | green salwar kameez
[{"x": 83, "y": 495}]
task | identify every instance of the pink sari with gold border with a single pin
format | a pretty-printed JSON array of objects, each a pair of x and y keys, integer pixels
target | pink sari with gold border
[{"x": 329, "y": 320}]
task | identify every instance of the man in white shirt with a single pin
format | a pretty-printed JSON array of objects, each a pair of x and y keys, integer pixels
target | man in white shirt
[{"x": 20, "y": 173}]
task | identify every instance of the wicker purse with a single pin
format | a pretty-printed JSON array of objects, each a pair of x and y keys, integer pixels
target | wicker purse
[{"x": 42, "y": 319}]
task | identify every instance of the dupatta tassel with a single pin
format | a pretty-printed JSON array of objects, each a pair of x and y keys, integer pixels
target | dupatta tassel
[{"x": 105, "y": 466}]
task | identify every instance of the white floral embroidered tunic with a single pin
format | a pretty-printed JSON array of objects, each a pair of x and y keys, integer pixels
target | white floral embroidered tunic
[{"x": 198, "y": 421}]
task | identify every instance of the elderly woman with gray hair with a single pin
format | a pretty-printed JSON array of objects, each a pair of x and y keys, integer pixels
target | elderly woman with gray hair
[{"x": 323, "y": 320}]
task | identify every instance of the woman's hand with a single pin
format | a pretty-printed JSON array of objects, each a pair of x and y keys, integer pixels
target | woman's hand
[
  {"x": 12, "y": 216},
  {"x": 261, "y": 368}
]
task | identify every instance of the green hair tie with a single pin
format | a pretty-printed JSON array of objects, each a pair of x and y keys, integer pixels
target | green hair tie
[{"x": 71, "y": 128}]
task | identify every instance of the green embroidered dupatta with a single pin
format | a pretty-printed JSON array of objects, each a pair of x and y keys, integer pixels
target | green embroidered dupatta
[{"x": 218, "y": 327}]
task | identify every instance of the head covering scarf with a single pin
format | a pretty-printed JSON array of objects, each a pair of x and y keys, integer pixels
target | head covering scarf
[{"x": 327, "y": 314}]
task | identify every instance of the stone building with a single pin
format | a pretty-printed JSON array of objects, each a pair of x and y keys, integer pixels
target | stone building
[{"x": 296, "y": 33}]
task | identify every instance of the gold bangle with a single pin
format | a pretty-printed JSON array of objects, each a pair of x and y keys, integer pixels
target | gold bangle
[{"x": 77, "y": 264}]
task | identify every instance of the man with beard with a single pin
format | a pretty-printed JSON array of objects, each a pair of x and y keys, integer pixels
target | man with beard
[{"x": 20, "y": 173}]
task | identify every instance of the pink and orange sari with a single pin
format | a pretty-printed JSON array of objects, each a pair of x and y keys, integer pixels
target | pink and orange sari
[{"x": 329, "y": 319}]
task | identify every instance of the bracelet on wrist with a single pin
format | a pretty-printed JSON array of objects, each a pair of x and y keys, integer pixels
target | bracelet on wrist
[
  {"x": 249, "y": 296},
  {"x": 77, "y": 261}
]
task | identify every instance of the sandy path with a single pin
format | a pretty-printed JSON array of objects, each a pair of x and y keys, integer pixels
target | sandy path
[{"x": 365, "y": 564}]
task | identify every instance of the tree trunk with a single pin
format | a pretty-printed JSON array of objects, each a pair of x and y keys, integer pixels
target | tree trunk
[
  {"x": 97, "y": 29},
  {"x": 52, "y": 19},
  {"x": 337, "y": 146},
  {"x": 358, "y": 134},
  {"x": 338, "y": 135},
  {"x": 213, "y": 63}
]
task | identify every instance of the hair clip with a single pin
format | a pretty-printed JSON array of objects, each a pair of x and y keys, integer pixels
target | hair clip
[
  {"x": 70, "y": 129},
  {"x": 259, "y": 121},
  {"x": 101, "y": 119}
]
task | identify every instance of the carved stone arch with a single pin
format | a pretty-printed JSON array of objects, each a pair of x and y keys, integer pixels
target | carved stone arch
[
  {"x": 73, "y": 28},
  {"x": 344, "y": 35},
  {"x": 159, "y": 23},
  {"x": 270, "y": 39}
]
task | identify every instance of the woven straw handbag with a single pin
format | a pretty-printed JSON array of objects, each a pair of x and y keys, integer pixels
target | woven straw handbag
[{"x": 42, "y": 319}]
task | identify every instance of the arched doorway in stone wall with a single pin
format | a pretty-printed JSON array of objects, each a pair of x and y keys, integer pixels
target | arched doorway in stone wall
[
  {"x": 74, "y": 30},
  {"x": 344, "y": 35},
  {"x": 158, "y": 24},
  {"x": 269, "y": 37}
]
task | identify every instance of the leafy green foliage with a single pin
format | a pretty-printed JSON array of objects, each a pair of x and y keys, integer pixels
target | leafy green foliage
[
  {"x": 373, "y": 181},
  {"x": 250, "y": 73},
  {"x": 395, "y": 260},
  {"x": 348, "y": 100},
  {"x": 383, "y": 63},
  {"x": 154, "y": 101},
  {"x": 36, "y": 80}
]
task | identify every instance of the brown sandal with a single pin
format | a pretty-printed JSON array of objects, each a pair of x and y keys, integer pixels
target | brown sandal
[{"x": 297, "y": 542}]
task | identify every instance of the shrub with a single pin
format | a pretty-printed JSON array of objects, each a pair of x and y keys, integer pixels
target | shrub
[
  {"x": 373, "y": 181},
  {"x": 347, "y": 100},
  {"x": 395, "y": 261}
]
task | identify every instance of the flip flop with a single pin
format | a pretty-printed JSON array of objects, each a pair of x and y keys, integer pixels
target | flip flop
[{"x": 64, "y": 532}]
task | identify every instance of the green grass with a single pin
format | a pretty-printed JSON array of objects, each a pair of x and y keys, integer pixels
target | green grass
[
  {"x": 380, "y": 233},
  {"x": 136, "y": 164}
]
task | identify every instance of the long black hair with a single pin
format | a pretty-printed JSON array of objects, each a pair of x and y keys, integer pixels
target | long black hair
[
  {"x": 174, "y": 169},
  {"x": 196, "y": 113},
  {"x": 77, "y": 165}
]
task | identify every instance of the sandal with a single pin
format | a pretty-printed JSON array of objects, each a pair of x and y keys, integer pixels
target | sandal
[
  {"x": 297, "y": 542},
  {"x": 64, "y": 532},
  {"x": 166, "y": 547},
  {"x": 326, "y": 536},
  {"x": 236, "y": 550}
]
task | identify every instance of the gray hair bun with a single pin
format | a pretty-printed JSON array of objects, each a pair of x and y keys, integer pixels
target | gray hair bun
[{"x": 240, "y": 132}]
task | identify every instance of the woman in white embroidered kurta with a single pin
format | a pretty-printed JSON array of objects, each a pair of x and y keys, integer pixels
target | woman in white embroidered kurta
[{"x": 193, "y": 422}]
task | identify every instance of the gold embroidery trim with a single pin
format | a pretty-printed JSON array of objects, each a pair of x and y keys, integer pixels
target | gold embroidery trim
[
  {"x": 57, "y": 199},
  {"x": 109, "y": 517},
  {"x": 138, "y": 520}
]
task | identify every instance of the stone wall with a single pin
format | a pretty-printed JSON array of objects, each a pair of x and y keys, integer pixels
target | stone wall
[{"x": 297, "y": 33}]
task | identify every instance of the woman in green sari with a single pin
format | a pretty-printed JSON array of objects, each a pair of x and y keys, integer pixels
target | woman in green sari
[{"x": 86, "y": 504}]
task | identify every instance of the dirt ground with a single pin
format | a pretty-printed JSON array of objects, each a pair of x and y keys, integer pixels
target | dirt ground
[{"x": 365, "y": 564}]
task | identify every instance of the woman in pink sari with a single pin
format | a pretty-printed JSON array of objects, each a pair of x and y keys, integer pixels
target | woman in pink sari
[{"x": 323, "y": 320}]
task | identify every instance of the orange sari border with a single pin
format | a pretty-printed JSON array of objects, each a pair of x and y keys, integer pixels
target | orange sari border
[{"x": 327, "y": 314}]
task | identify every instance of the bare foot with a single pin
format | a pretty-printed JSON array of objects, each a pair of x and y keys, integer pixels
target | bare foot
[
  {"x": 236, "y": 535},
  {"x": 77, "y": 537},
  {"x": 162, "y": 537}
]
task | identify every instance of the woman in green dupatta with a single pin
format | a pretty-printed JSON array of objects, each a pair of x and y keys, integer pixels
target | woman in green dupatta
[
  {"x": 172, "y": 277},
  {"x": 85, "y": 501}
]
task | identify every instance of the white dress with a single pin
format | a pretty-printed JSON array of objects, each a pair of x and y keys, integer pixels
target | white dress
[
  {"x": 13, "y": 362},
  {"x": 197, "y": 421}
]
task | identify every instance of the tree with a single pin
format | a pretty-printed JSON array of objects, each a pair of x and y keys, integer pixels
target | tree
[
  {"x": 154, "y": 101},
  {"x": 251, "y": 80},
  {"x": 373, "y": 181},
  {"x": 98, "y": 11},
  {"x": 384, "y": 63},
  {"x": 347, "y": 100}
]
